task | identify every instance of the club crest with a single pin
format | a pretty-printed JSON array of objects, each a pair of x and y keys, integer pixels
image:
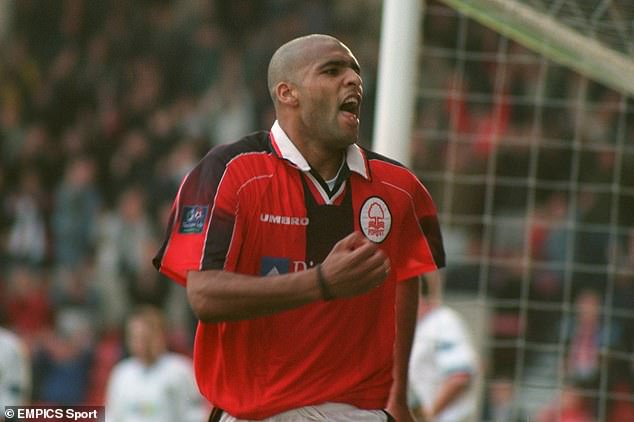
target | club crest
[{"x": 375, "y": 219}]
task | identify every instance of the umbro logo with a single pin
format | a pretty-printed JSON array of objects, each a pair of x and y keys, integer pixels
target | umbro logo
[{"x": 284, "y": 220}]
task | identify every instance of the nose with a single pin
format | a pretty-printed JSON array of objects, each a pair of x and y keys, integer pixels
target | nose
[{"x": 353, "y": 78}]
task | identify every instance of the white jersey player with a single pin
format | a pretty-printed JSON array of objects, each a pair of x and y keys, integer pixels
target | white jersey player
[
  {"x": 443, "y": 368},
  {"x": 15, "y": 371},
  {"x": 153, "y": 385}
]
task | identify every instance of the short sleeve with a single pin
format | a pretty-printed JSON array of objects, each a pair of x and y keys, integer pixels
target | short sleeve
[
  {"x": 419, "y": 234},
  {"x": 200, "y": 223}
]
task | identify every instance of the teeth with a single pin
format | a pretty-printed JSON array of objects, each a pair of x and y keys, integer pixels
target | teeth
[{"x": 351, "y": 104}]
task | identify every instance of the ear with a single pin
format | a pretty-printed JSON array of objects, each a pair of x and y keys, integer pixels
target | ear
[{"x": 286, "y": 94}]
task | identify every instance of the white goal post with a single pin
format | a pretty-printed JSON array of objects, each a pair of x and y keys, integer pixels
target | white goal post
[
  {"x": 544, "y": 35},
  {"x": 397, "y": 78},
  {"x": 400, "y": 43}
]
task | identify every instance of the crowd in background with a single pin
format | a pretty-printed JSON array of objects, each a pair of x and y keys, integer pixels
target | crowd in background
[{"x": 106, "y": 104}]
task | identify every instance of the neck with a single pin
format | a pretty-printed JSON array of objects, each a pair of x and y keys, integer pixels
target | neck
[
  {"x": 327, "y": 164},
  {"x": 148, "y": 361},
  {"x": 323, "y": 159}
]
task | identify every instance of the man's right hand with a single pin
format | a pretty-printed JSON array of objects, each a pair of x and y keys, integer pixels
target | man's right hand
[{"x": 354, "y": 266}]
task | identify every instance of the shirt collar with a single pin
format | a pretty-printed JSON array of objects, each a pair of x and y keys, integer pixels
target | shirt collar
[{"x": 284, "y": 148}]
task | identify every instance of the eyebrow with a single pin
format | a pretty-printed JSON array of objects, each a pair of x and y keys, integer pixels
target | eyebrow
[{"x": 342, "y": 63}]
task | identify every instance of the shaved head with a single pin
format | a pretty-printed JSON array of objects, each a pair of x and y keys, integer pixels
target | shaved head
[
  {"x": 316, "y": 87},
  {"x": 291, "y": 57}
]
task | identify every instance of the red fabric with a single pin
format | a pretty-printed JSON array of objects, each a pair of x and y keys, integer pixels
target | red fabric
[
  {"x": 29, "y": 314},
  {"x": 339, "y": 351},
  {"x": 108, "y": 351}
]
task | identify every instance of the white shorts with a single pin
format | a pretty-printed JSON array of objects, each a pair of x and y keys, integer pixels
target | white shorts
[{"x": 331, "y": 412}]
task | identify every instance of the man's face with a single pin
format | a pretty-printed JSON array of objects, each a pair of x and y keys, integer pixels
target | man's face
[
  {"x": 330, "y": 92},
  {"x": 144, "y": 341}
]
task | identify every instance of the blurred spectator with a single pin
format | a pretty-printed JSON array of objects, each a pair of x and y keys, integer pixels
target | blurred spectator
[
  {"x": 570, "y": 406},
  {"x": 35, "y": 150},
  {"x": 621, "y": 325},
  {"x": 128, "y": 162},
  {"x": 236, "y": 15},
  {"x": 463, "y": 276},
  {"x": 444, "y": 368},
  {"x": 586, "y": 337},
  {"x": 145, "y": 285},
  {"x": 108, "y": 350},
  {"x": 506, "y": 322},
  {"x": 28, "y": 242},
  {"x": 227, "y": 107},
  {"x": 27, "y": 306},
  {"x": 75, "y": 289},
  {"x": 74, "y": 220},
  {"x": 502, "y": 404},
  {"x": 551, "y": 235},
  {"x": 591, "y": 245},
  {"x": 59, "y": 98},
  {"x": 207, "y": 41},
  {"x": 153, "y": 384},
  {"x": 15, "y": 371},
  {"x": 124, "y": 236},
  {"x": 62, "y": 360},
  {"x": 622, "y": 405},
  {"x": 144, "y": 85}
]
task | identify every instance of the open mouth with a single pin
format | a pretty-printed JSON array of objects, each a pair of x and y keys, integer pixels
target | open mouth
[{"x": 351, "y": 105}]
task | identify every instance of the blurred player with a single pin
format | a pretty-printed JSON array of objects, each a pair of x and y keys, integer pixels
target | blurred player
[
  {"x": 15, "y": 371},
  {"x": 152, "y": 385},
  {"x": 301, "y": 251},
  {"x": 444, "y": 366}
]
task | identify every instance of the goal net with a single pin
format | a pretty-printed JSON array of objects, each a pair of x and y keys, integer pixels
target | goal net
[{"x": 524, "y": 135}]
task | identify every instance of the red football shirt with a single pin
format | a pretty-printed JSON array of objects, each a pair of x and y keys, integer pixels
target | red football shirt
[{"x": 255, "y": 207}]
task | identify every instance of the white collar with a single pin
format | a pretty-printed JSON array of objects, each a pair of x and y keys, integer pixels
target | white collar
[{"x": 284, "y": 147}]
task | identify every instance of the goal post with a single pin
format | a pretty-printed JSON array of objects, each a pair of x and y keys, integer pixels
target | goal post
[
  {"x": 543, "y": 34},
  {"x": 397, "y": 77},
  {"x": 400, "y": 39}
]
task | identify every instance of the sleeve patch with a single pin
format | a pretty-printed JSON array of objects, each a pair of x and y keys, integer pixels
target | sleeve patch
[{"x": 193, "y": 219}]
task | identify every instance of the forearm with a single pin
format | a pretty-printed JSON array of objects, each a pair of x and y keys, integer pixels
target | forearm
[
  {"x": 224, "y": 296},
  {"x": 353, "y": 266},
  {"x": 406, "y": 309},
  {"x": 451, "y": 389}
]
